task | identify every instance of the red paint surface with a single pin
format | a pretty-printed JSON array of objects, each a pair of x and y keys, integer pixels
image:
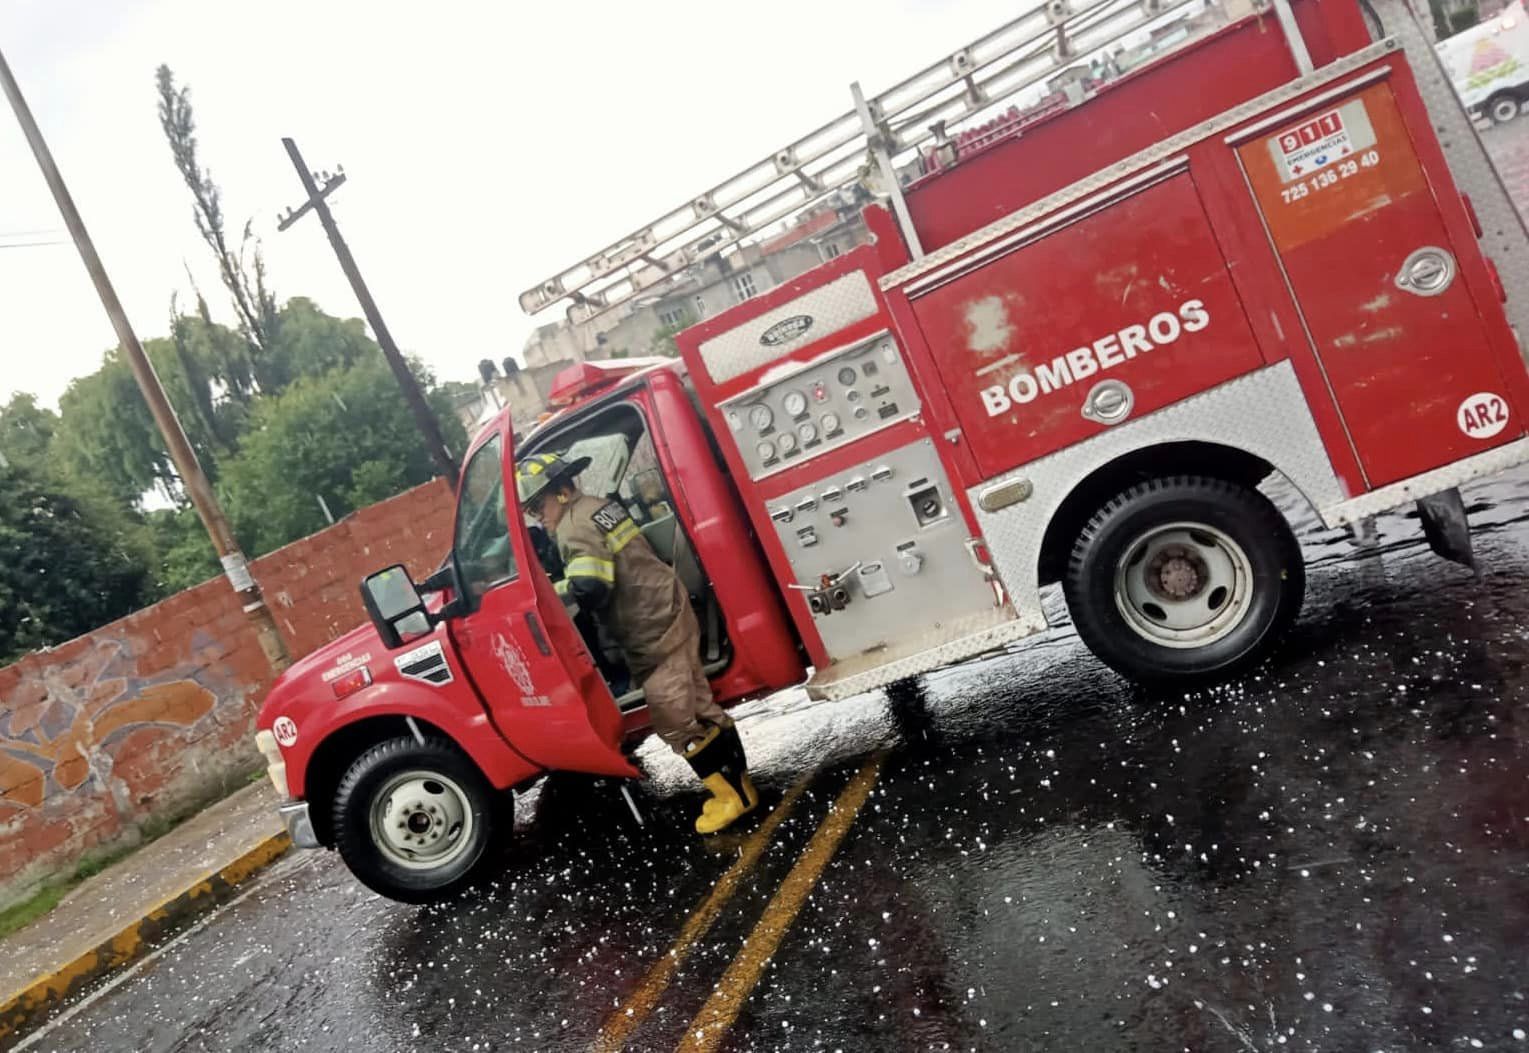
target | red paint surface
[
  {"x": 1113, "y": 296},
  {"x": 1399, "y": 364}
]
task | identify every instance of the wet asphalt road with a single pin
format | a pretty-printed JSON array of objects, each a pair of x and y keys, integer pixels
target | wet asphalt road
[{"x": 1331, "y": 853}]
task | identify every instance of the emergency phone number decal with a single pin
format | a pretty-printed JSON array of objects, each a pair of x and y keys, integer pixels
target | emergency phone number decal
[
  {"x": 1324, "y": 149},
  {"x": 1330, "y": 177}
]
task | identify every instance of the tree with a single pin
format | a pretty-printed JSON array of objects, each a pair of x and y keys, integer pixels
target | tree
[
  {"x": 183, "y": 552},
  {"x": 347, "y": 436},
  {"x": 243, "y": 273},
  {"x": 106, "y": 433},
  {"x": 63, "y": 571},
  {"x": 26, "y": 430},
  {"x": 310, "y": 343},
  {"x": 663, "y": 340}
]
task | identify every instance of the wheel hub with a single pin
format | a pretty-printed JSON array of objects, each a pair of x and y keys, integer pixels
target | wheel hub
[
  {"x": 421, "y": 819},
  {"x": 1177, "y": 573},
  {"x": 1183, "y": 585}
]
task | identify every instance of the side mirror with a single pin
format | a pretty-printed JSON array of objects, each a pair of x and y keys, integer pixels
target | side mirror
[{"x": 394, "y": 606}]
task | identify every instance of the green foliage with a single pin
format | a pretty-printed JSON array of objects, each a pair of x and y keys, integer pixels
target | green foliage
[
  {"x": 106, "y": 432},
  {"x": 26, "y": 430},
  {"x": 184, "y": 556},
  {"x": 346, "y": 435},
  {"x": 67, "y": 563},
  {"x": 242, "y": 272},
  {"x": 663, "y": 340}
]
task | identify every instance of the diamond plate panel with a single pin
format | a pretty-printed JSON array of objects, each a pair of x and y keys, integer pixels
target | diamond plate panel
[
  {"x": 957, "y": 642},
  {"x": 831, "y": 307},
  {"x": 1263, "y": 413},
  {"x": 1506, "y": 240},
  {"x": 1388, "y": 497}
]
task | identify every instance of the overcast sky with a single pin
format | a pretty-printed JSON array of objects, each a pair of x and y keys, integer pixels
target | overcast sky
[{"x": 486, "y": 144}]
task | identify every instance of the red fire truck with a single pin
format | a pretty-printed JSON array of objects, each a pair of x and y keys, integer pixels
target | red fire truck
[{"x": 1068, "y": 355}]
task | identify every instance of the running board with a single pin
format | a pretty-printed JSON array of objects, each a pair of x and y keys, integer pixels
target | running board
[{"x": 946, "y": 645}]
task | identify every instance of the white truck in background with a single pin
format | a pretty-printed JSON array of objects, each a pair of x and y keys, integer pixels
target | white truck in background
[{"x": 1489, "y": 64}]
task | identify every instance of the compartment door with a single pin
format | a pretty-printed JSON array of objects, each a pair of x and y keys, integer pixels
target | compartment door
[
  {"x": 1049, "y": 337},
  {"x": 1397, "y": 333}
]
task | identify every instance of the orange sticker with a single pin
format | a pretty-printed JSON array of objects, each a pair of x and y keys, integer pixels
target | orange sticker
[{"x": 1328, "y": 168}]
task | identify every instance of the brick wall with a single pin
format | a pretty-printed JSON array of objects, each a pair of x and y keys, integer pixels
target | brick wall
[{"x": 153, "y": 715}]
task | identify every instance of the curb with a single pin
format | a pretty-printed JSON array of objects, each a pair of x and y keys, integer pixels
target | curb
[{"x": 35, "y": 1002}]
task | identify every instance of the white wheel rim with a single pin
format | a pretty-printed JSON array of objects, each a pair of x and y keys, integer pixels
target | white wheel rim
[
  {"x": 421, "y": 820},
  {"x": 1183, "y": 585},
  {"x": 1505, "y": 110}
]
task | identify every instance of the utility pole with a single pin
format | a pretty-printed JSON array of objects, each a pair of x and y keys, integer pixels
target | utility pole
[
  {"x": 424, "y": 417},
  {"x": 181, "y": 453}
]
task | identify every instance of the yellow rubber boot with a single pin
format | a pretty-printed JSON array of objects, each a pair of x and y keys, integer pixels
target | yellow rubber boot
[{"x": 726, "y": 805}]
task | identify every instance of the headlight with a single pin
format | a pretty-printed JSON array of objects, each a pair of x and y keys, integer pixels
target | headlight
[{"x": 275, "y": 766}]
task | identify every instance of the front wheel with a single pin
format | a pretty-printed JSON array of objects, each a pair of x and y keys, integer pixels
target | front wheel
[
  {"x": 1503, "y": 108},
  {"x": 1184, "y": 579},
  {"x": 417, "y": 821}
]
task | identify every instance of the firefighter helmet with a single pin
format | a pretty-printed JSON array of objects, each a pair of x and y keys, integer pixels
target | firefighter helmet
[{"x": 537, "y": 473}]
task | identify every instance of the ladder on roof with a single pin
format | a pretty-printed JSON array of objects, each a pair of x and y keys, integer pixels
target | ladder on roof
[{"x": 971, "y": 81}]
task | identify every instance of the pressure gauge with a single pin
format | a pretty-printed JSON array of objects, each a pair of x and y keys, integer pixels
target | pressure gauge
[
  {"x": 787, "y": 442},
  {"x": 848, "y": 376},
  {"x": 807, "y": 432},
  {"x": 766, "y": 451},
  {"x": 761, "y": 416},
  {"x": 831, "y": 423},
  {"x": 795, "y": 403}
]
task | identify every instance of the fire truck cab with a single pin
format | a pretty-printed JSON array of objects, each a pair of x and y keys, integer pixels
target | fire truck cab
[{"x": 1070, "y": 354}]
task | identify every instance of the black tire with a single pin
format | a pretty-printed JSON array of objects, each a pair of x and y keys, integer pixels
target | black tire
[
  {"x": 404, "y": 779},
  {"x": 1503, "y": 107},
  {"x": 1127, "y": 619}
]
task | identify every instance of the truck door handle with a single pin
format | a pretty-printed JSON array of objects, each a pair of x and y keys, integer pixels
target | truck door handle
[
  {"x": 1429, "y": 271},
  {"x": 537, "y": 636}
]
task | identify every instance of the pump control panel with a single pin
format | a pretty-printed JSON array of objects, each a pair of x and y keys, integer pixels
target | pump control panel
[
  {"x": 880, "y": 551},
  {"x": 839, "y": 397}
]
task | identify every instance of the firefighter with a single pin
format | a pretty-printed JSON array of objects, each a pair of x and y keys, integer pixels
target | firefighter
[{"x": 610, "y": 568}]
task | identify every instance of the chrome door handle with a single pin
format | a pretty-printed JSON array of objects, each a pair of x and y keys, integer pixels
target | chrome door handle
[
  {"x": 1109, "y": 402},
  {"x": 1427, "y": 272}
]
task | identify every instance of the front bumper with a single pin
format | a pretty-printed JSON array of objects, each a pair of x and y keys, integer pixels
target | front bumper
[{"x": 299, "y": 824}]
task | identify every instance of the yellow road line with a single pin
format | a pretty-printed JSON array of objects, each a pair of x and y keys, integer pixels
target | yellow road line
[
  {"x": 716, "y": 1018},
  {"x": 629, "y": 1016}
]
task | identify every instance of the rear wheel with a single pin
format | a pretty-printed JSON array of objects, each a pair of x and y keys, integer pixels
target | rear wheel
[
  {"x": 1184, "y": 578},
  {"x": 1503, "y": 108},
  {"x": 417, "y": 821}
]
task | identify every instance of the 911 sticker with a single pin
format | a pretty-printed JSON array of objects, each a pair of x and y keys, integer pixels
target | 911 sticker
[
  {"x": 1483, "y": 415},
  {"x": 1322, "y": 141}
]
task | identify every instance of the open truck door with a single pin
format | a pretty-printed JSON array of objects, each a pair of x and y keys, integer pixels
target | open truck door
[{"x": 516, "y": 641}]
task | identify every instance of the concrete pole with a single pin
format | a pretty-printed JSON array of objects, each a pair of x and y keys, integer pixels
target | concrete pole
[
  {"x": 181, "y": 453},
  {"x": 424, "y": 417}
]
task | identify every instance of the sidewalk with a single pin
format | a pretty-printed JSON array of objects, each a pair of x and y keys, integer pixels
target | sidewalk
[{"x": 116, "y": 916}]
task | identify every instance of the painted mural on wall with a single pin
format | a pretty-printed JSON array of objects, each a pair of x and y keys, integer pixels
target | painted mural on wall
[{"x": 61, "y": 723}]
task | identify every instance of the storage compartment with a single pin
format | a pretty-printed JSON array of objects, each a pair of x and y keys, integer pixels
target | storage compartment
[
  {"x": 1401, "y": 342},
  {"x": 1117, "y": 306}
]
